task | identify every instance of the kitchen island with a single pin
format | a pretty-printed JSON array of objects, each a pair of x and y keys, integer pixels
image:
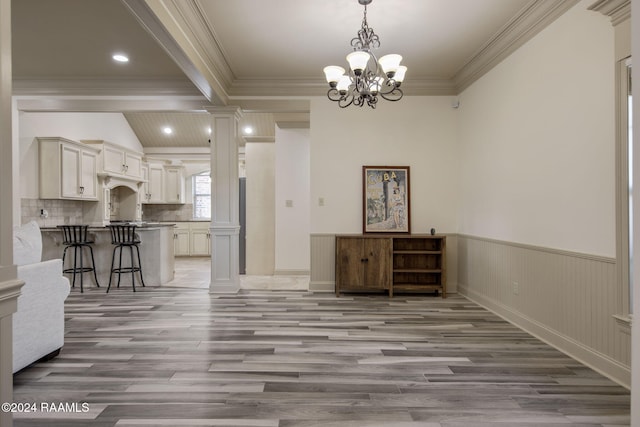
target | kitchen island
[{"x": 156, "y": 254}]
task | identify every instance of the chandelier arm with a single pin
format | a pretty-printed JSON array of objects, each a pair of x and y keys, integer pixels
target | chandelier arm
[
  {"x": 341, "y": 102},
  {"x": 333, "y": 94},
  {"x": 394, "y": 95}
]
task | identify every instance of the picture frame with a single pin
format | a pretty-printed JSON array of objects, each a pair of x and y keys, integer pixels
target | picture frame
[{"x": 386, "y": 199}]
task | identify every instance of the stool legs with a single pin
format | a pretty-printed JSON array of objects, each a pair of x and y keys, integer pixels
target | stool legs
[
  {"x": 119, "y": 269},
  {"x": 78, "y": 257},
  {"x": 139, "y": 265},
  {"x": 93, "y": 263}
]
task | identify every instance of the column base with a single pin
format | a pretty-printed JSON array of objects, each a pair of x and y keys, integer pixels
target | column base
[{"x": 225, "y": 259}]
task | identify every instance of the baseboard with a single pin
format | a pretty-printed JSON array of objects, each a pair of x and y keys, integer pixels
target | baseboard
[
  {"x": 322, "y": 286},
  {"x": 291, "y": 273},
  {"x": 597, "y": 361}
]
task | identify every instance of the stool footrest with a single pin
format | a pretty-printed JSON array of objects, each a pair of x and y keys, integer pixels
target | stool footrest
[
  {"x": 77, "y": 270},
  {"x": 126, "y": 270}
]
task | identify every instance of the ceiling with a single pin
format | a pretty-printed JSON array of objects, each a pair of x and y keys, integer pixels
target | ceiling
[{"x": 264, "y": 55}]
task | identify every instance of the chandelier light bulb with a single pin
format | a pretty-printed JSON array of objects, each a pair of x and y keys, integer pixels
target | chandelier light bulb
[
  {"x": 343, "y": 84},
  {"x": 358, "y": 61},
  {"x": 333, "y": 74},
  {"x": 390, "y": 64},
  {"x": 400, "y": 72}
]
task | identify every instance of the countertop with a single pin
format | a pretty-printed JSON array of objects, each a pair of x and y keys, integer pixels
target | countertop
[{"x": 139, "y": 225}]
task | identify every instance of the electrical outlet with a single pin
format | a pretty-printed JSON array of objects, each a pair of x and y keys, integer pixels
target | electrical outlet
[{"x": 516, "y": 288}]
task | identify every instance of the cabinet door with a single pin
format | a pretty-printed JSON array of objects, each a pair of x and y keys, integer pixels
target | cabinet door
[
  {"x": 113, "y": 160},
  {"x": 156, "y": 184},
  {"x": 181, "y": 242},
  {"x": 70, "y": 170},
  {"x": 88, "y": 181},
  {"x": 378, "y": 258},
  {"x": 133, "y": 165},
  {"x": 200, "y": 241},
  {"x": 144, "y": 192},
  {"x": 349, "y": 260},
  {"x": 175, "y": 185}
]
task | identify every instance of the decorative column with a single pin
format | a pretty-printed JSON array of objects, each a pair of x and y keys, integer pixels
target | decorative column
[
  {"x": 9, "y": 283},
  {"x": 225, "y": 220}
]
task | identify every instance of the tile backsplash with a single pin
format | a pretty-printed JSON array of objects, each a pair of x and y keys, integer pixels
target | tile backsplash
[
  {"x": 59, "y": 212},
  {"x": 167, "y": 212}
]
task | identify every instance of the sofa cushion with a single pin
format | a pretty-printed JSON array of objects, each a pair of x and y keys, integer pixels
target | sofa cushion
[{"x": 27, "y": 244}]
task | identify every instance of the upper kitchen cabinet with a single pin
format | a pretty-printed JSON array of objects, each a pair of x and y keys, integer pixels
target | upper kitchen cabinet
[
  {"x": 68, "y": 169},
  {"x": 119, "y": 161},
  {"x": 175, "y": 185},
  {"x": 164, "y": 182},
  {"x": 155, "y": 183}
]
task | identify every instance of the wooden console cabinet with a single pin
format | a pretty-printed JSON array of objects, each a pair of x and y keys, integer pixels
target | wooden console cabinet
[
  {"x": 395, "y": 263},
  {"x": 363, "y": 264}
]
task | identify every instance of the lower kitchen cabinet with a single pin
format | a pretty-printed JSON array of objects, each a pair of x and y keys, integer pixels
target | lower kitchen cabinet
[
  {"x": 200, "y": 239},
  {"x": 181, "y": 239},
  {"x": 192, "y": 239}
]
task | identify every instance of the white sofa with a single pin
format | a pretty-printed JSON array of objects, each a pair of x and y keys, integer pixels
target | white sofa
[{"x": 38, "y": 325}]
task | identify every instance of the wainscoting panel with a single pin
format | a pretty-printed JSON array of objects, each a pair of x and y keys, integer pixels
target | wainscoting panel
[
  {"x": 323, "y": 257},
  {"x": 567, "y": 299}
]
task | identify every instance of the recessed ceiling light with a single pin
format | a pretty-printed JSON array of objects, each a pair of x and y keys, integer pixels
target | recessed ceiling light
[
  {"x": 209, "y": 131},
  {"x": 119, "y": 57},
  {"x": 248, "y": 130},
  {"x": 167, "y": 130}
]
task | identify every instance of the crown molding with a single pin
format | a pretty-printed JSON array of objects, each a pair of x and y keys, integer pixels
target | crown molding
[
  {"x": 79, "y": 86},
  {"x": 532, "y": 19},
  {"x": 617, "y": 10},
  {"x": 111, "y": 104},
  {"x": 182, "y": 29},
  {"x": 190, "y": 19},
  {"x": 164, "y": 20}
]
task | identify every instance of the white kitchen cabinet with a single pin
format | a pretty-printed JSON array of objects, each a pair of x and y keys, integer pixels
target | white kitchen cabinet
[
  {"x": 174, "y": 180},
  {"x": 118, "y": 160},
  {"x": 144, "y": 190},
  {"x": 68, "y": 169},
  {"x": 181, "y": 239},
  {"x": 199, "y": 239},
  {"x": 192, "y": 239},
  {"x": 156, "y": 183}
]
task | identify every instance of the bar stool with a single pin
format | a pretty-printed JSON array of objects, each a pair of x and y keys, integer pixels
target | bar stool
[
  {"x": 124, "y": 236},
  {"x": 75, "y": 236}
]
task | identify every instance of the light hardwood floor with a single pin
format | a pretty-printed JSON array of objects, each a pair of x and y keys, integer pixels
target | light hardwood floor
[{"x": 177, "y": 356}]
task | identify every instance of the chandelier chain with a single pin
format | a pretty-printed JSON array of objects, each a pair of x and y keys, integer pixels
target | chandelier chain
[{"x": 367, "y": 39}]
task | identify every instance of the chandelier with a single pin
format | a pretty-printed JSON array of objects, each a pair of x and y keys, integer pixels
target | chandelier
[{"x": 368, "y": 77}]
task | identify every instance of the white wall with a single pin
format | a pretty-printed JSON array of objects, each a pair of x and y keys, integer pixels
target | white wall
[
  {"x": 292, "y": 178},
  {"x": 419, "y": 132},
  {"x": 260, "y": 233},
  {"x": 537, "y": 141},
  {"x": 112, "y": 127}
]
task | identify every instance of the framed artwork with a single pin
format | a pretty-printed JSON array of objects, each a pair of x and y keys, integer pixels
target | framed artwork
[{"x": 386, "y": 199}]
